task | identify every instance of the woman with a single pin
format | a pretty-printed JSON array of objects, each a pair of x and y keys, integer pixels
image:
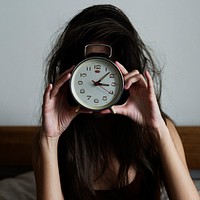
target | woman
[{"x": 126, "y": 152}]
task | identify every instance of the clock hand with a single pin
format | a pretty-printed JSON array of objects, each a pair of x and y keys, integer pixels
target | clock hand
[
  {"x": 100, "y": 85},
  {"x": 96, "y": 83},
  {"x": 103, "y": 77},
  {"x": 103, "y": 84},
  {"x": 104, "y": 89}
]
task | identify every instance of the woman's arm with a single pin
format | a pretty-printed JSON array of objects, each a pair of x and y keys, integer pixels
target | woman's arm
[
  {"x": 57, "y": 114},
  {"x": 54, "y": 122},
  {"x": 178, "y": 182},
  {"x": 46, "y": 168},
  {"x": 142, "y": 107}
]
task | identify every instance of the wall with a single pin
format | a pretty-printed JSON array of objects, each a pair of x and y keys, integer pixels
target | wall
[{"x": 27, "y": 29}]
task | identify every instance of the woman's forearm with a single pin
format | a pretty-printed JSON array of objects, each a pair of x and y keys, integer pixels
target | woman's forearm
[
  {"x": 46, "y": 170},
  {"x": 179, "y": 183}
]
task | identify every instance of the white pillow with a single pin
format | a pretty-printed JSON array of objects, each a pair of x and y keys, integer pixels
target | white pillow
[{"x": 21, "y": 187}]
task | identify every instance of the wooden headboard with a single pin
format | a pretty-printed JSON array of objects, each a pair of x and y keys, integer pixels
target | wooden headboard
[
  {"x": 190, "y": 136},
  {"x": 16, "y": 148}
]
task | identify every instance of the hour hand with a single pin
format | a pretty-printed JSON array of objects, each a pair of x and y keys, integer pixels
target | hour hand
[
  {"x": 96, "y": 83},
  {"x": 103, "y": 84}
]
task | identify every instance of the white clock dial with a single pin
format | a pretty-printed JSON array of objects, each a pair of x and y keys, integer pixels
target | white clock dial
[{"x": 96, "y": 83}]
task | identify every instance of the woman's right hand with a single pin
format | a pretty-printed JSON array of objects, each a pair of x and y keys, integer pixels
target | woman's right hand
[{"x": 56, "y": 112}]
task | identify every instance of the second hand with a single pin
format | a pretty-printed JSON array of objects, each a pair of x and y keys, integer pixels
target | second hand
[
  {"x": 99, "y": 84},
  {"x": 104, "y": 89}
]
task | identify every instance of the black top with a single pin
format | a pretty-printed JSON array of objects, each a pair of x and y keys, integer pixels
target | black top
[{"x": 128, "y": 192}]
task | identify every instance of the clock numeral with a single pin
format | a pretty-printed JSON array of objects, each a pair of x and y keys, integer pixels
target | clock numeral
[
  {"x": 96, "y": 100},
  {"x": 111, "y": 92},
  {"x": 113, "y": 84},
  {"x": 80, "y": 82},
  {"x": 82, "y": 91},
  {"x": 97, "y": 66},
  {"x": 112, "y": 76},
  {"x": 104, "y": 98},
  {"x": 83, "y": 74},
  {"x": 88, "y": 68},
  {"x": 88, "y": 97}
]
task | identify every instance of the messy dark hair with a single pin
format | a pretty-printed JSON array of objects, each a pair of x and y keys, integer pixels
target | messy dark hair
[{"x": 83, "y": 148}]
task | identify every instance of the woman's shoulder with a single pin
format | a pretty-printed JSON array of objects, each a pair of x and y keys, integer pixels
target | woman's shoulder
[
  {"x": 173, "y": 131},
  {"x": 172, "y": 128},
  {"x": 176, "y": 139}
]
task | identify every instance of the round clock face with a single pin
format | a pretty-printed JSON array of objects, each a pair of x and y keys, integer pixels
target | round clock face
[{"x": 96, "y": 83}]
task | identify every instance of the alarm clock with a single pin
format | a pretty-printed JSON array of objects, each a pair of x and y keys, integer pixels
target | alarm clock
[{"x": 96, "y": 83}]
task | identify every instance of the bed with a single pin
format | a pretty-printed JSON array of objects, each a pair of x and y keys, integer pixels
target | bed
[{"x": 16, "y": 174}]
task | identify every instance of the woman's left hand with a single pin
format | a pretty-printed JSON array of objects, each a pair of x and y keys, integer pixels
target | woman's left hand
[{"x": 141, "y": 105}]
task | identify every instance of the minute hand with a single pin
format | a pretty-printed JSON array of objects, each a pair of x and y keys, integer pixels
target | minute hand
[{"x": 103, "y": 77}]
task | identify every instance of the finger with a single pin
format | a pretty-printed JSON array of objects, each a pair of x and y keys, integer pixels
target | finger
[
  {"x": 47, "y": 93},
  {"x": 117, "y": 109},
  {"x": 128, "y": 76},
  {"x": 86, "y": 111},
  {"x": 121, "y": 67},
  {"x": 63, "y": 78},
  {"x": 106, "y": 111},
  {"x": 149, "y": 81},
  {"x": 59, "y": 84},
  {"x": 138, "y": 78},
  {"x": 112, "y": 109},
  {"x": 46, "y": 97},
  {"x": 133, "y": 73},
  {"x": 65, "y": 73}
]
